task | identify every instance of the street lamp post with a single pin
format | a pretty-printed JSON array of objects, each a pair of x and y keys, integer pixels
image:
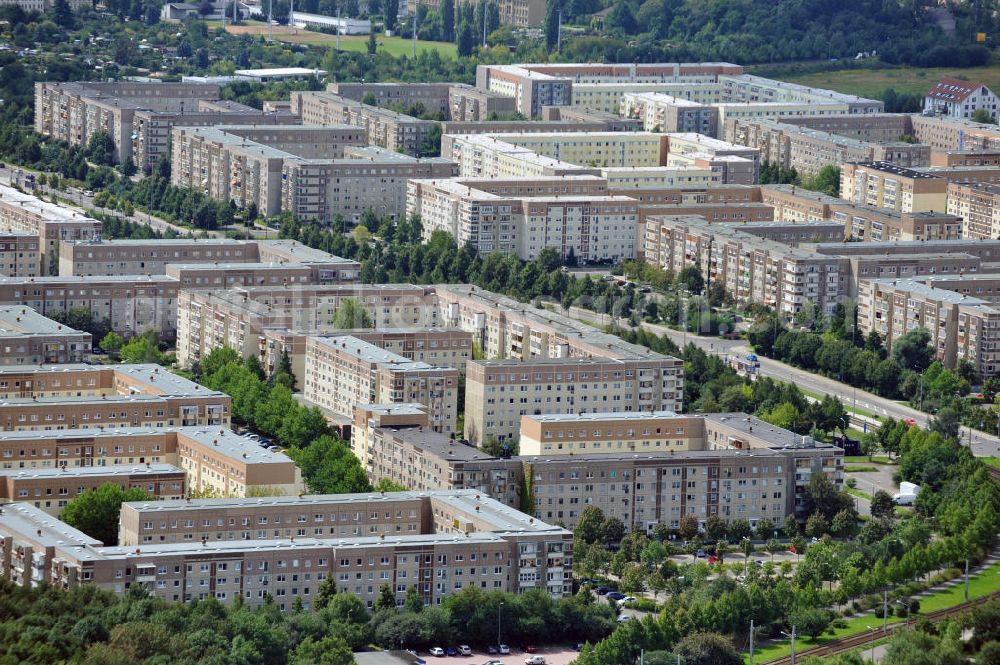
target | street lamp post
[
  {"x": 498, "y": 624},
  {"x": 873, "y": 642},
  {"x": 792, "y": 636}
]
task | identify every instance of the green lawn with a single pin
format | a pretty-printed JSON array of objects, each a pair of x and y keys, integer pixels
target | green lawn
[
  {"x": 863, "y": 459},
  {"x": 992, "y": 461},
  {"x": 395, "y": 46},
  {"x": 859, "y": 468},
  {"x": 870, "y": 82},
  {"x": 850, "y": 408},
  {"x": 981, "y": 584},
  {"x": 858, "y": 493}
]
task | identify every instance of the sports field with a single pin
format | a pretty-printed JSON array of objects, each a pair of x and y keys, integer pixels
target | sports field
[{"x": 395, "y": 46}]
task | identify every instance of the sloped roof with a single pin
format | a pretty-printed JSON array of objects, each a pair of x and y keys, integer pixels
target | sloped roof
[{"x": 953, "y": 90}]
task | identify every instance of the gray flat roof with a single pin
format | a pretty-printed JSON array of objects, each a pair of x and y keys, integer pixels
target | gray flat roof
[
  {"x": 18, "y": 321},
  {"x": 115, "y": 470}
]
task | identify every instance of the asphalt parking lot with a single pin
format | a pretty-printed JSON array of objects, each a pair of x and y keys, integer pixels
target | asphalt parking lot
[{"x": 553, "y": 656}]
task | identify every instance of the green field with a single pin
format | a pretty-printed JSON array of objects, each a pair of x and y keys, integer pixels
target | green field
[
  {"x": 394, "y": 46},
  {"x": 985, "y": 582},
  {"x": 992, "y": 461},
  {"x": 870, "y": 82}
]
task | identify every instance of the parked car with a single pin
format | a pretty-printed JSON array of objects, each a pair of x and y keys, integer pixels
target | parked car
[
  {"x": 534, "y": 660},
  {"x": 578, "y": 646},
  {"x": 492, "y": 650},
  {"x": 451, "y": 651},
  {"x": 274, "y": 449},
  {"x": 615, "y": 595},
  {"x": 624, "y": 618},
  {"x": 700, "y": 554},
  {"x": 626, "y": 599},
  {"x": 504, "y": 649},
  {"x": 464, "y": 650},
  {"x": 493, "y": 662},
  {"x": 604, "y": 590},
  {"x": 437, "y": 651}
]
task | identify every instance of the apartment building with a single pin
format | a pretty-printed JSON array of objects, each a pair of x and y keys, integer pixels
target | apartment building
[
  {"x": 573, "y": 215},
  {"x": 372, "y": 418},
  {"x": 886, "y": 185},
  {"x": 241, "y": 318},
  {"x": 382, "y": 127},
  {"x": 186, "y": 550},
  {"x": 334, "y": 176},
  {"x": 808, "y": 150},
  {"x": 50, "y": 223},
  {"x": 208, "y": 262},
  {"x": 519, "y": 13},
  {"x": 509, "y": 551},
  {"x": 957, "y": 98},
  {"x": 215, "y": 459},
  {"x": 469, "y": 104},
  {"x": 720, "y": 156},
  {"x": 138, "y": 116},
  {"x": 947, "y": 133},
  {"x": 863, "y": 222},
  {"x": 432, "y": 96},
  {"x": 19, "y": 254},
  {"x": 499, "y": 392},
  {"x": 979, "y": 207},
  {"x": 72, "y": 396},
  {"x": 666, "y": 113},
  {"x": 948, "y": 158},
  {"x": 729, "y": 465},
  {"x": 962, "y": 327},
  {"x": 50, "y": 490},
  {"x": 28, "y": 338},
  {"x": 554, "y": 84},
  {"x": 130, "y": 304},
  {"x": 342, "y": 372}
]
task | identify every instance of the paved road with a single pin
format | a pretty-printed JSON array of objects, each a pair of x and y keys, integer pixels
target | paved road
[
  {"x": 80, "y": 200},
  {"x": 982, "y": 444}
]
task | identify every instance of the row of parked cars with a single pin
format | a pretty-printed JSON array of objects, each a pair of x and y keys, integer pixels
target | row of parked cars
[{"x": 261, "y": 441}]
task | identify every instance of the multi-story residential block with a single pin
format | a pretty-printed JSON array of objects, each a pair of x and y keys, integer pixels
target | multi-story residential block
[
  {"x": 808, "y": 150},
  {"x": 946, "y": 133},
  {"x": 370, "y": 419},
  {"x": 130, "y": 304},
  {"x": 342, "y": 372},
  {"x": 208, "y": 262},
  {"x": 979, "y": 207},
  {"x": 51, "y": 489},
  {"x": 215, "y": 458},
  {"x": 138, "y": 116},
  {"x": 520, "y": 13},
  {"x": 951, "y": 158},
  {"x": 886, "y": 185},
  {"x": 284, "y": 548},
  {"x": 19, "y": 254},
  {"x": 241, "y": 318},
  {"x": 956, "y": 98},
  {"x": 57, "y": 397},
  {"x": 50, "y": 223},
  {"x": 665, "y": 113},
  {"x": 28, "y": 338},
  {"x": 729, "y": 465},
  {"x": 962, "y": 327},
  {"x": 575, "y": 216},
  {"x": 432, "y": 96},
  {"x": 382, "y": 127},
  {"x": 469, "y": 104},
  {"x": 317, "y": 172}
]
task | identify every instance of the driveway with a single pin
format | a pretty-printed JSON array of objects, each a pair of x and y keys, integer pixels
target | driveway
[{"x": 553, "y": 656}]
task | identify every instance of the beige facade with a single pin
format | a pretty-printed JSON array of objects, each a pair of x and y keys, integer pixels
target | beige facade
[
  {"x": 57, "y": 397},
  {"x": 979, "y": 207},
  {"x": 962, "y": 327},
  {"x": 215, "y": 459},
  {"x": 342, "y": 372},
  {"x": 886, "y": 185},
  {"x": 28, "y": 338},
  {"x": 19, "y": 254},
  {"x": 51, "y": 489},
  {"x": 322, "y": 173},
  {"x": 241, "y": 317},
  {"x": 50, "y": 223},
  {"x": 520, "y": 13},
  {"x": 131, "y": 304},
  {"x": 736, "y": 467},
  {"x": 572, "y": 215},
  {"x": 284, "y": 549},
  {"x": 665, "y": 113}
]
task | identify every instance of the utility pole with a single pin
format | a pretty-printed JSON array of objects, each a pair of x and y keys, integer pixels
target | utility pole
[
  {"x": 885, "y": 609},
  {"x": 751, "y": 641},
  {"x": 485, "y": 9},
  {"x": 270, "y": 20},
  {"x": 792, "y": 636},
  {"x": 291, "y": 15},
  {"x": 966, "y": 579},
  {"x": 559, "y": 31},
  {"x": 338, "y": 26},
  {"x": 416, "y": 15}
]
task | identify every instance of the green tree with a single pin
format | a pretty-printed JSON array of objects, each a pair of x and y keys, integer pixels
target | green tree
[
  {"x": 817, "y": 525},
  {"x": 329, "y": 467},
  {"x": 143, "y": 348},
  {"x": 95, "y": 512},
  {"x": 391, "y": 14},
  {"x": 913, "y": 350},
  {"x": 823, "y": 497},
  {"x": 707, "y": 649},
  {"x": 62, "y": 13},
  {"x": 328, "y": 650},
  {"x": 386, "y": 598},
  {"x": 414, "y": 602},
  {"x": 687, "y": 526},
  {"x": 882, "y": 505},
  {"x": 826, "y": 180},
  {"x": 351, "y": 314},
  {"x": 466, "y": 39},
  {"x": 448, "y": 20},
  {"x": 101, "y": 148},
  {"x": 810, "y": 621},
  {"x": 715, "y": 528},
  {"x": 588, "y": 526},
  {"x": 552, "y": 15},
  {"x": 980, "y": 115},
  {"x": 112, "y": 344}
]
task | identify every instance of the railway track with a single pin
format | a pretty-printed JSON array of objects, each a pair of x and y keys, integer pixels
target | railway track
[
  {"x": 994, "y": 473},
  {"x": 864, "y": 639}
]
